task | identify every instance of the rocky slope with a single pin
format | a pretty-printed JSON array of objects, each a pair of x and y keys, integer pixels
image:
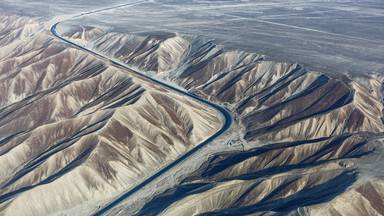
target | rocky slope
[
  {"x": 313, "y": 128},
  {"x": 276, "y": 178},
  {"x": 74, "y": 128},
  {"x": 274, "y": 100}
]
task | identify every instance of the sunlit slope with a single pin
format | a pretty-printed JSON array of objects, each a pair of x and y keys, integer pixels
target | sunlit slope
[
  {"x": 75, "y": 129},
  {"x": 275, "y": 178},
  {"x": 316, "y": 126},
  {"x": 365, "y": 199},
  {"x": 275, "y": 101}
]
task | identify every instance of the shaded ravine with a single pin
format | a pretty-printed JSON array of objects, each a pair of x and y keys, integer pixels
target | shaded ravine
[{"x": 227, "y": 118}]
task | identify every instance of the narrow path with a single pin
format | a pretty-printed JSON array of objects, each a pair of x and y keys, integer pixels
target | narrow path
[
  {"x": 226, "y": 115},
  {"x": 308, "y": 29}
]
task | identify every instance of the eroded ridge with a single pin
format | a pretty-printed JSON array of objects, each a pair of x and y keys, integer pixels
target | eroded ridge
[{"x": 74, "y": 128}]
